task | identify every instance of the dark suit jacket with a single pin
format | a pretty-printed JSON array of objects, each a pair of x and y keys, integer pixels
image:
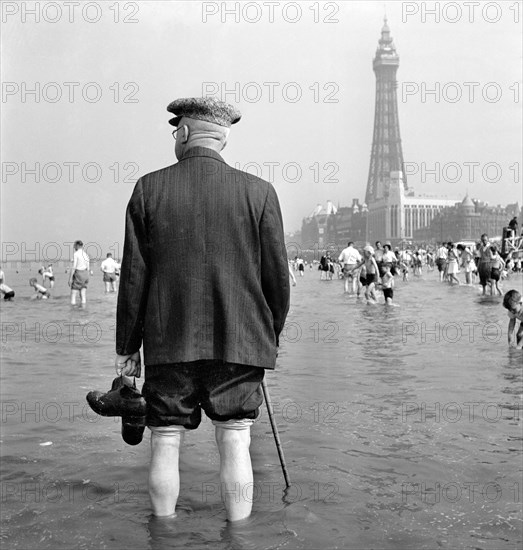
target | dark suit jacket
[{"x": 204, "y": 271}]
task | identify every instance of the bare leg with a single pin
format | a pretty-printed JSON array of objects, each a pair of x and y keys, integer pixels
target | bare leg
[
  {"x": 519, "y": 337},
  {"x": 83, "y": 296},
  {"x": 164, "y": 476},
  {"x": 235, "y": 471},
  {"x": 372, "y": 293},
  {"x": 74, "y": 295},
  {"x": 355, "y": 283}
]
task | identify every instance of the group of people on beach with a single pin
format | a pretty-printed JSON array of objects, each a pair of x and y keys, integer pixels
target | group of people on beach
[
  {"x": 362, "y": 272},
  {"x": 484, "y": 262},
  {"x": 8, "y": 293},
  {"x": 376, "y": 267},
  {"x": 79, "y": 273}
]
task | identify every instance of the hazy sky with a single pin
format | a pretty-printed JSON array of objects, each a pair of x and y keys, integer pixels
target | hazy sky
[{"x": 300, "y": 72}]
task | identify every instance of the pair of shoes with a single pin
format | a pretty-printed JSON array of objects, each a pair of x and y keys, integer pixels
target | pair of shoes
[{"x": 125, "y": 401}]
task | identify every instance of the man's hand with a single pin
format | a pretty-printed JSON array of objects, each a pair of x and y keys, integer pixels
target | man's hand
[{"x": 128, "y": 365}]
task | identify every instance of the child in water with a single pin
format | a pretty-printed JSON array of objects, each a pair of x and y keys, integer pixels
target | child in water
[
  {"x": 48, "y": 275},
  {"x": 513, "y": 303},
  {"x": 387, "y": 284},
  {"x": 417, "y": 265},
  {"x": 404, "y": 269},
  {"x": 41, "y": 292},
  {"x": 496, "y": 266}
]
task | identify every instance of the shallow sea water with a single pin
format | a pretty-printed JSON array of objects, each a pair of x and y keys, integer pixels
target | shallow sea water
[{"x": 401, "y": 427}]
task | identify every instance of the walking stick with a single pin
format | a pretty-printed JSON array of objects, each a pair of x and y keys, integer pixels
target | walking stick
[{"x": 275, "y": 432}]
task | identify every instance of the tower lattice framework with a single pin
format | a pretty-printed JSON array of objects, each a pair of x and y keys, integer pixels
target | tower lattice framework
[{"x": 386, "y": 153}]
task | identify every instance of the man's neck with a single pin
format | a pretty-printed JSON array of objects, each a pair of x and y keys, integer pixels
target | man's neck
[{"x": 208, "y": 143}]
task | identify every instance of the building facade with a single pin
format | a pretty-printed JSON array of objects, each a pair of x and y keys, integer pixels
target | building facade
[
  {"x": 331, "y": 227},
  {"x": 467, "y": 221},
  {"x": 397, "y": 216},
  {"x": 319, "y": 228}
]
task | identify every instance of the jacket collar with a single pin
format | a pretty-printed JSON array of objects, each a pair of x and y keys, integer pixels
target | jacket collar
[{"x": 201, "y": 152}]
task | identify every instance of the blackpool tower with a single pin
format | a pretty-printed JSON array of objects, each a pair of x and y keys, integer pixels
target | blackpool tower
[
  {"x": 394, "y": 212},
  {"x": 386, "y": 153}
]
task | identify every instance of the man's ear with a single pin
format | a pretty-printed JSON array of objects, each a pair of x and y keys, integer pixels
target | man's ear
[{"x": 185, "y": 133}]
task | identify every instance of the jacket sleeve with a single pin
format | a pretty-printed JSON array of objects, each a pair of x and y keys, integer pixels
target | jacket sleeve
[
  {"x": 274, "y": 266},
  {"x": 133, "y": 288}
]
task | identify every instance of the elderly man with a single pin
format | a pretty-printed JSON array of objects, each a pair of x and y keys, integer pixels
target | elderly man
[{"x": 207, "y": 337}]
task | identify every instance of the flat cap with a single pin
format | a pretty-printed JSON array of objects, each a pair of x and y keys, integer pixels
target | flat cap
[{"x": 209, "y": 109}]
